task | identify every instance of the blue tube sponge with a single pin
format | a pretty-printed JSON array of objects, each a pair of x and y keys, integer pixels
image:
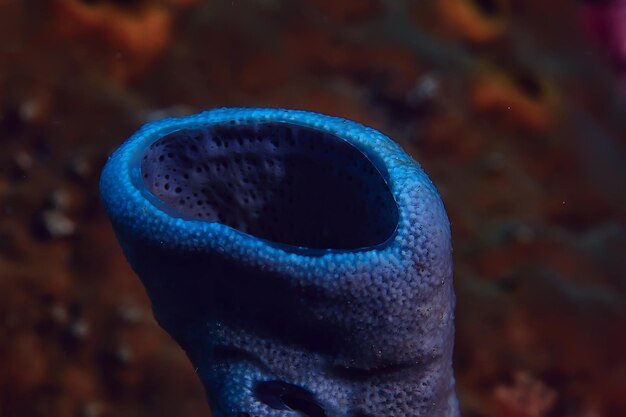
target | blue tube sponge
[{"x": 302, "y": 261}]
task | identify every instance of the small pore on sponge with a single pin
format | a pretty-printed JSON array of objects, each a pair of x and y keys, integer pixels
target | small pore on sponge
[{"x": 277, "y": 181}]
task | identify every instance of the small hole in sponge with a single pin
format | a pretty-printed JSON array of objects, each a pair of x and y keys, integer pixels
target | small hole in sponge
[
  {"x": 278, "y": 181},
  {"x": 284, "y": 396}
]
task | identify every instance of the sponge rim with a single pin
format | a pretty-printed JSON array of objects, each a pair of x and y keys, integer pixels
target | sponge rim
[{"x": 137, "y": 218}]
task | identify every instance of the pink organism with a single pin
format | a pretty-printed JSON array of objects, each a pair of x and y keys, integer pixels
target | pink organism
[
  {"x": 606, "y": 22},
  {"x": 525, "y": 397}
]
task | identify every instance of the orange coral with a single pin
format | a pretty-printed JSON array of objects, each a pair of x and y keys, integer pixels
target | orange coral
[
  {"x": 475, "y": 20},
  {"x": 519, "y": 98},
  {"x": 133, "y": 35}
]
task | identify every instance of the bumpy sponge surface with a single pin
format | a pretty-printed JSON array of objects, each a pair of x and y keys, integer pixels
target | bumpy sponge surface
[{"x": 303, "y": 262}]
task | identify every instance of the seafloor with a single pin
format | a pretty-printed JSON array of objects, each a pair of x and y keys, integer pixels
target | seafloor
[{"x": 515, "y": 109}]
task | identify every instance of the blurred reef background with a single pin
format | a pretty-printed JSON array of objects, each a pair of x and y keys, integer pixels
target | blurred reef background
[{"x": 515, "y": 108}]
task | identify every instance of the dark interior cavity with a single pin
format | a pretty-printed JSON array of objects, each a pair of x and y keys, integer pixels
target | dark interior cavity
[{"x": 277, "y": 181}]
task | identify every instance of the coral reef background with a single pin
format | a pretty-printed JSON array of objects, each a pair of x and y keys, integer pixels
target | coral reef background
[{"x": 515, "y": 109}]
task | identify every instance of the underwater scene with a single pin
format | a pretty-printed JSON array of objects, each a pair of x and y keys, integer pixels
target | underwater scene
[{"x": 312, "y": 208}]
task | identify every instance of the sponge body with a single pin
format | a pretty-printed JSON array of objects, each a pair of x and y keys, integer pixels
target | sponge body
[{"x": 281, "y": 314}]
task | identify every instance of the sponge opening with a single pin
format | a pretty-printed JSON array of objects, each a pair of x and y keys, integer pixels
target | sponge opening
[{"x": 281, "y": 182}]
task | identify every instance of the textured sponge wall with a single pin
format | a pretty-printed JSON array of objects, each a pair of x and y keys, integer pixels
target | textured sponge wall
[{"x": 358, "y": 324}]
